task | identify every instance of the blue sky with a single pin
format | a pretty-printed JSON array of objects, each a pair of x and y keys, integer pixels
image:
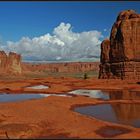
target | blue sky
[{"x": 35, "y": 19}]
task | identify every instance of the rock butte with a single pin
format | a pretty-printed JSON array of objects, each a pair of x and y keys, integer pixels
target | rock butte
[
  {"x": 120, "y": 55},
  {"x": 10, "y": 64}
]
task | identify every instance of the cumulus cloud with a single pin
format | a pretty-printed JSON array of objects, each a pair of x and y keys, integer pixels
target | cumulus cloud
[{"x": 62, "y": 44}]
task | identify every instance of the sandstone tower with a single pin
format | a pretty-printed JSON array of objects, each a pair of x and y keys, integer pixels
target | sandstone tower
[
  {"x": 10, "y": 64},
  {"x": 120, "y": 55}
]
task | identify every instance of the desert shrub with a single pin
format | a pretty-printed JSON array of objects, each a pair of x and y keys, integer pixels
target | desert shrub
[{"x": 85, "y": 76}]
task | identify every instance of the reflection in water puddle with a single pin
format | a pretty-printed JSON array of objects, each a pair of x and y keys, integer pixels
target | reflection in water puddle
[
  {"x": 124, "y": 95},
  {"x": 20, "y": 97},
  {"x": 38, "y": 87},
  {"x": 91, "y": 93},
  {"x": 127, "y": 114},
  {"x": 109, "y": 94}
]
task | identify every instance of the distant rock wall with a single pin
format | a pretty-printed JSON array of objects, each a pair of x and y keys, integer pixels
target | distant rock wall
[
  {"x": 62, "y": 67},
  {"x": 10, "y": 64},
  {"x": 120, "y": 55},
  {"x": 3, "y": 62}
]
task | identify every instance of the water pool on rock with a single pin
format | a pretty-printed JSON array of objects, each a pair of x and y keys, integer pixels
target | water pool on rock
[
  {"x": 108, "y": 94},
  {"x": 121, "y": 113},
  {"x": 19, "y": 97}
]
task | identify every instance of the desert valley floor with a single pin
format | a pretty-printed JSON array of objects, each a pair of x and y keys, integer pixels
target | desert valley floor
[{"x": 54, "y": 116}]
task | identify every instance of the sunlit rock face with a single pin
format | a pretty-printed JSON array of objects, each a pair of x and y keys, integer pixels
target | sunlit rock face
[
  {"x": 14, "y": 63},
  {"x": 10, "y": 64},
  {"x": 3, "y": 61},
  {"x": 125, "y": 37},
  {"x": 120, "y": 58},
  {"x": 105, "y": 48}
]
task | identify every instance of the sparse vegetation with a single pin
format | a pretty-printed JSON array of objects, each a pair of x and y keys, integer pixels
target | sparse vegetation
[{"x": 85, "y": 76}]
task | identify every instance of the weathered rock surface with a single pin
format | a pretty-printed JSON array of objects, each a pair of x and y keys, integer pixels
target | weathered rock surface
[
  {"x": 14, "y": 61},
  {"x": 105, "y": 48},
  {"x": 121, "y": 57},
  {"x": 3, "y": 61},
  {"x": 10, "y": 64},
  {"x": 125, "y": 37}
]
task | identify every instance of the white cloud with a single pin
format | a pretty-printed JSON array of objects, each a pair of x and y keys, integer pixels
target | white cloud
[{"x": 62, "y": 44}]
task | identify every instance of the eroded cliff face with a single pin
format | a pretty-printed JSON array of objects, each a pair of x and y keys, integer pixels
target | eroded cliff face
[
  {"x": 105, "y": 48},
  {"x": 10, "y": 64},
  {"x": 3, "y": 62},
  {"x": 125, "y": 37},
  {"x": 14, "y": 61},
  {"x": 120, "y": 55}
]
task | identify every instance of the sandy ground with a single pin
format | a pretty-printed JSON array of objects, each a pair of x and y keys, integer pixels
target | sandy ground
[{"x": 53, "y": 117}]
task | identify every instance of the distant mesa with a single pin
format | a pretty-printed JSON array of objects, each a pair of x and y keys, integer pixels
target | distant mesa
[
  {"x": 120, "y": 55},
  {"x": 10, "y": 64}
]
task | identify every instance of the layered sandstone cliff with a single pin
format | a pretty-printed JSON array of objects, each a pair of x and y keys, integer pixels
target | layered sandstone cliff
[
  {"x": 10, "y": 64},
  {"x": 68, "y": 67},
  {"x": 3, "y": 62},
  {"x": 120, "y": 55},
  {"x": 14, "y": 61}
]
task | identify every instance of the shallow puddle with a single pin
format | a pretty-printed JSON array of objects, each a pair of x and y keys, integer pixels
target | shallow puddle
[
  {"x": 38, "y": 87},
  {"x": 91, "y": 93},
  {"x": 108, "y": 94},
  {"x": 127, "y": 114},
  {"x": 20, "y": 97}
]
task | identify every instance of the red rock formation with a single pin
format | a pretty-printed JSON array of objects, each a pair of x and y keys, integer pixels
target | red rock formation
[
  {"x": 124, "y": 50},
  {"x": 3, "y": 62},
  {"x": 10, "y": 64},
  {"x": 105, "y": 71},
  {"x": 14, "y": 61},
  {"x": 125, "y": 37},
  {"x": 105, "y": 48},
  {"x": 104, "y": 59}
]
